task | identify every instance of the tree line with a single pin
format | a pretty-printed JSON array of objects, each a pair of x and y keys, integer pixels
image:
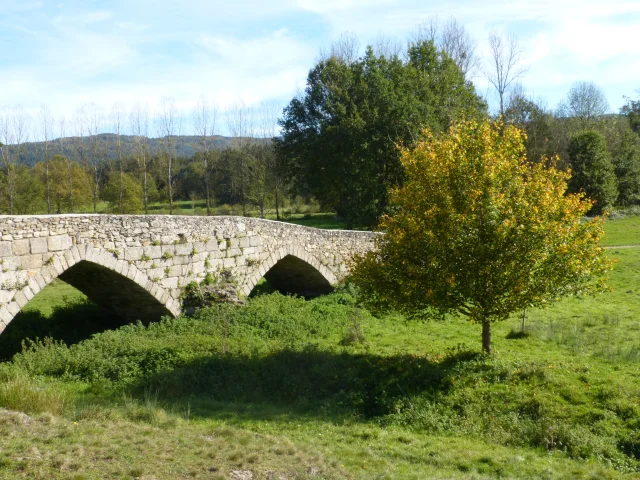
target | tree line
[
  {"x": 339, "y": 141},
  {"x": 80, "y": 172}
]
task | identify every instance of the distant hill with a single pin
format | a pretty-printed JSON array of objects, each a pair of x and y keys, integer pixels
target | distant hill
[{"x": 186, "y": 146}]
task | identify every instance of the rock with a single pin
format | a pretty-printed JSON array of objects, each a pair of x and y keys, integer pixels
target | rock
[
  {"x": 200, "y": 296},
  {"x": 241, "y": 475}
]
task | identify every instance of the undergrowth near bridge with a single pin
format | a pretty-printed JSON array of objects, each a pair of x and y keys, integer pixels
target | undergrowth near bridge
[{"x": 290, "y": 388}]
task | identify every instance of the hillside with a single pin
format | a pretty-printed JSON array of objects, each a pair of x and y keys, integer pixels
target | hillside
[{"x": 77, "y": 147}]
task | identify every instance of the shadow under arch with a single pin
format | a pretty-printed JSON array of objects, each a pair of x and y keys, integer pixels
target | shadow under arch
[
  {"x": 292, "y": 270},
  {"x": 118, "y": 293},
  {"x": 114, "y": 292},
  {"x": 115, "y": 284}
]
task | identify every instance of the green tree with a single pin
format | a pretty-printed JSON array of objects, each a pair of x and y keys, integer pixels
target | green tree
[
  {"x": 623, "y": 145},
  {"x": 632, "y": 110},
  {"x": 123, "y": 193},
  {"x": 592, "y": 170},
  {"x": 69, "y": 183},
  {"x": 531, "y": 117},
  {"x": 341, "y": 139},
  {"x": 479, "y": 231}
]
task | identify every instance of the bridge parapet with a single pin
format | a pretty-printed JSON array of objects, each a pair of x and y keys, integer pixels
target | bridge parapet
[{"x": 137, "y": 265}]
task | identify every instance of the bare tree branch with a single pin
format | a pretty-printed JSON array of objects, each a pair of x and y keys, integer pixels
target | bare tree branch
[{"x": 505, "y": 69}]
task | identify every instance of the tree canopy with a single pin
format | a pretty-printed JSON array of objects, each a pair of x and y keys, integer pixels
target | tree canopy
[
  {"x": 593, "y": 172},
  {"x": 479, "y": 231},
  {"x": 341, "y": 140}
]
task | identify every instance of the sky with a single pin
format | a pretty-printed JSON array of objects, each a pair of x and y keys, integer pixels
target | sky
[{"x": 65, "y": 53}]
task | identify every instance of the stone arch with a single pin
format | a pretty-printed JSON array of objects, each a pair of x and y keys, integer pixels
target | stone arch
[
  {"x": 292, "y": 256},
  {"x": 29, "y": 283}
]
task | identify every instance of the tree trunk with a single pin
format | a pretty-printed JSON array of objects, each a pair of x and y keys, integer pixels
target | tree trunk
[
  {"x": 170, "y": 189},
  {"x": 145, "y": 194},
  {"x": 46, "y": 166},
  {"x": 524, "y": 319},
  {"x": 206, "y": 182},
  {"x": 277, "y": 210},
  {"x": 486, "y": 336}
]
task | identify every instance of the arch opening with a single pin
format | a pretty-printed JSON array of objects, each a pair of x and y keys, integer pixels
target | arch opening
[
  {"x": 85, "y": 299},
  {"x": 293, "y": 276},
  {"x": 114, "y": 292}
]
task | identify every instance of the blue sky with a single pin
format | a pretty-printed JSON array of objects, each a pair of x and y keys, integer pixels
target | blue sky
[{"x": 66, "y": 53}]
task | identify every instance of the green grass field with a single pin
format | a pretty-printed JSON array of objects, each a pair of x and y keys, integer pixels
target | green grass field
[{"x": 283, "y": 389}]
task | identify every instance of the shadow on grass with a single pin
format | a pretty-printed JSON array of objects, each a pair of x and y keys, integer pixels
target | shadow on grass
[
  {"x": 72, "y": 322},
  {"x": 307, "y": 382}
]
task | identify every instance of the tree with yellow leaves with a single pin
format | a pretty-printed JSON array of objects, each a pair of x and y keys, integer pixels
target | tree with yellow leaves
[{"x": 479, "y": 231}]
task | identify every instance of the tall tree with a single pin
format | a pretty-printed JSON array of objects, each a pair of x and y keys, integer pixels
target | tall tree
[
  {"x": 15, "y": 131},
  {"x": 452, "y": 38},
  {"x": 340, "y": 138},
  {"x": 167, "y": 124},
  {"x": 632, "y": 110},
  {"x": 506, "y": 56},
  {"x": 139, "y": 120},
  {"x": 592, "y": 170},
  {"x": 70, "y": 164},
  {"x": 241, "y": 123},
  {"x": 532, "y": 117},
  {"x": 585, "y": 101},
  {"x": 479, "y": 231},
  {"x": 46, "y": 130},
  {"x": 204, "y": 120},
  {"x": 95, "y": 119},
  {"x": 118, "y": 115}
]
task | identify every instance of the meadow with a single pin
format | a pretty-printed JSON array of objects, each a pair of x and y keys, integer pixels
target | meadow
[{"x": 288, "y": 388}]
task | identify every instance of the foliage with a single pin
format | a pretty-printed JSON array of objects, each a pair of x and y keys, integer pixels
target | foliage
[
  {"x": 531, "y": 117},
  {"x": 592, "y": 170},
  {"x": 625, "y": 157},
  {"x": 132, "y": 200},
  {"x": 69, "y": 184},
  {"x": 340, "y": 139},
  {"x": 585, "y": 101},
  {"x": 28, "y": 191},
  {"x": 632, "y": 111},
  {"x": 481, "y": 232}
]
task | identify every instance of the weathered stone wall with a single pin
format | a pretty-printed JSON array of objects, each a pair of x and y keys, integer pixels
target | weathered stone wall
[{"x": 159, "y": 254}]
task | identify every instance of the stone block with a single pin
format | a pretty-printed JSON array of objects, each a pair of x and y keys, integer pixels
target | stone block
[
  {"x": 133, "y": 253},
  {"x": 6, "y": 296},
  {"x": 245, "y": 242},
  {"x": 184, "y": 249},
  {"x": 31, "y": 262},
  {"x": 229, "y": 262},
  {"x": 152, "y": 251},
  {"x": 11, "y": 263},
  {"x": 20, "y": 299},
  {"x": 58, "y": 243},
  {"x": 255, "y": 240},
  {"x": 38, "y": 245},
  {"x": 21, "y": 247},
  {"x": 171, "y": 282},
  {"x": 5, "y": 249},
  {"x": 13, "y": 307}
]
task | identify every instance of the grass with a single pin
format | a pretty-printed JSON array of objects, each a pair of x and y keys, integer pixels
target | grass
[
  {"x": 279, "y": 389},
  {"x": 623, "y": 231}
]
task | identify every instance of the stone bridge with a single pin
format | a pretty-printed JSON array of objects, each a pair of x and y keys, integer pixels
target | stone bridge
[{"x": 137, "y": 265}]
